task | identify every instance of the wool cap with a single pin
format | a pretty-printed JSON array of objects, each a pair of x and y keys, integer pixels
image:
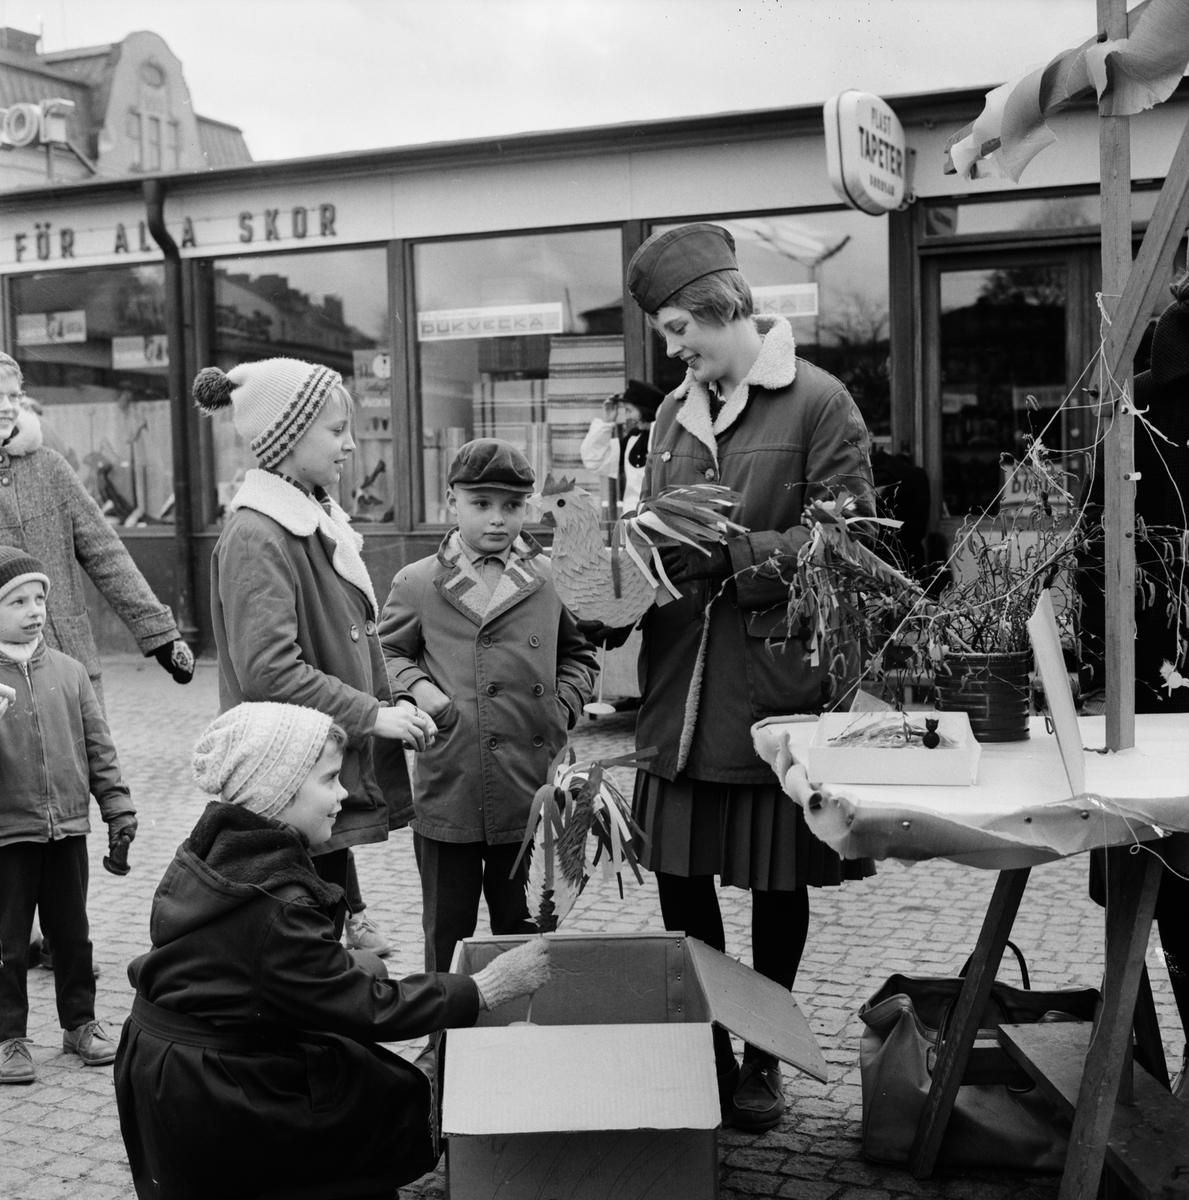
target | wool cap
[
  {"x": 17, "y": 567},
  {"x": 644, "y": 396},
  {"x": 258, "y": 754},
  {"x": 272, "y": 402},
  {"x": 670, "y": 260},
  {"x": 490, "y": 463}
]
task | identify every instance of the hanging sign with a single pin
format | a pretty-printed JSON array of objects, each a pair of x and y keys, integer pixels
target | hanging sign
[
  {"x": 50, "y": 329},
  {"x": 140, "y": 353},
  {"x": 499, "y": 320},
  {"x": 865, "y": 152},
  {"x": 786, "y": 299}
]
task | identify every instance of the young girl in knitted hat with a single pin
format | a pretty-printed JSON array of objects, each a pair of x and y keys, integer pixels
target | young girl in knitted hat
[
  {"x": 292, "y": 605},
  {"x": 249, "y": 1060}
]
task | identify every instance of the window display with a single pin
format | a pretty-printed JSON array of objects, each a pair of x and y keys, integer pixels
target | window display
[
  {"x": 327, "y": 307},
  {"x": 94, "y": 354},
  {"x": 827, "y": 272},
  {"x": 519, "y": 338}
]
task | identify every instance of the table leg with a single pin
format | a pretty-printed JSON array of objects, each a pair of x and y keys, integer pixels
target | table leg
[
  {"x": 1132, "y": 881},
  {"x": 954, "y": 1053}
]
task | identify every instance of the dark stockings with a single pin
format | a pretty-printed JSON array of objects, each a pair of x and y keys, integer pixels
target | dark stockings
[{"x": 779, "y": 928}]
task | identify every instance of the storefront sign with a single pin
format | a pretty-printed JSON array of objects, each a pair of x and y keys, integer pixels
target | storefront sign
[
  {"x": 501, "y": 320},
  {"x": 786, "y": 299},
  {"x": 865, "y": 152},
  {"x": 373, "y": 370},
  {"x": 51, "y": 329},
  {"x": 140, "y": 353}
]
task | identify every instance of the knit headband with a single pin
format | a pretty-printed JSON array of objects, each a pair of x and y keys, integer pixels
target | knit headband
[
  {"x": 272, "y": 402},
  {"x": 257, "y": 755}
]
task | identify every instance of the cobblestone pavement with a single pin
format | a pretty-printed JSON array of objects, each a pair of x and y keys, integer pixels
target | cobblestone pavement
[{"x": 60, "y": 1137}]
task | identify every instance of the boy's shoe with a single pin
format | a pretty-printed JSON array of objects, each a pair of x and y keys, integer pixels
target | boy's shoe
[
  {"x": 363, "y": 934},
  {"x": 759, "y": 1098},
  {"x": 16, "y": 1063},
  {"x": 90, "y": 1043}
]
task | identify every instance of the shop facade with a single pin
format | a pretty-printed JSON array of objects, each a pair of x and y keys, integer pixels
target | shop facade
[{"x": 477, "y": 288}]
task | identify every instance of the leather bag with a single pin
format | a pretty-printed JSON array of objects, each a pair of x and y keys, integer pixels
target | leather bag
[{"x": 993, "y": 1125}]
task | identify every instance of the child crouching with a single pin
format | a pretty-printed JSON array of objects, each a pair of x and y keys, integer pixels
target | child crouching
[
  {"x": 55, "y": 752},
  {"x": 249, "y": 1060}
]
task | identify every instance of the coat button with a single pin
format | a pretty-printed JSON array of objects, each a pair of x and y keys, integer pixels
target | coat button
[
  {"x": 493, "y": 689},
  {"x": 493, "y": 742},
  {"x": 538, "y": 689},
  {"x": 370, "y": 629},
  {"x": 355, "y": 633},
  {"x": 534, "y": 641},
  {"x": 538, "y": 740},
  {"x": 710, "y": 474},
  {"x": 485, "y": 640},
  {"x": 5, "y": 480},
  {"x": 668, "y": 454}
]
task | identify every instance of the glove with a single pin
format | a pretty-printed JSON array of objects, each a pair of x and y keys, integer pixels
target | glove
[
  {"x": 684, "y": 564},
  {"x": 611, "y": 637},
  {"x": 515, "y": 973},
  {"x": 120, "y": 832},
  {"x": 177, "y": 658}
]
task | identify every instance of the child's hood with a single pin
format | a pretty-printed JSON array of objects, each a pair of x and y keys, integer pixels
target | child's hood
[{"x": 232, "y": 858}]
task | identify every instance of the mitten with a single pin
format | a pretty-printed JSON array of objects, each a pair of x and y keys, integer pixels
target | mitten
[
  {"x": 120, "y": 832},
  {"x": 683, "y": 564},
  {"x": 515, "y": 973},
  {"x": 177, "y": 658},
  {"x": 611, "y": 637}
]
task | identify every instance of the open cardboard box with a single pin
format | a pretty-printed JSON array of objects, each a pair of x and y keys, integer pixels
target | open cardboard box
[{"x": 611, "y": 1091}]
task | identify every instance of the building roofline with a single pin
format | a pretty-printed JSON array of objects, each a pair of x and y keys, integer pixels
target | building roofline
[
  {"x": 36, "y": 65},
  {"x": 950, "y": 105},
  {"x": 222, "y": 125},
  {"x": 81, "y": 52}
]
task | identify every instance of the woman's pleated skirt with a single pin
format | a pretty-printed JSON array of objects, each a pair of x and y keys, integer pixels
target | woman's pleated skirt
[{"x": 750, "y": 835}]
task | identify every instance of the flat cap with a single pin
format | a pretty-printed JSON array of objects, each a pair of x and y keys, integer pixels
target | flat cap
[
  {"x": 490, "y": 463},
  {"x": 670, "y": 260}
]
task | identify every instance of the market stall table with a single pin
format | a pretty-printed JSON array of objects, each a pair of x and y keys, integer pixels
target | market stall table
[{"x": 1019, "y": 814}]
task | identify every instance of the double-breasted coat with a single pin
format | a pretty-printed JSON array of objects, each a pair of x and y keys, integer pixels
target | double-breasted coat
[
  {"x": 249, "y": 1067},
  {"x": 792, "y": 436},
  {"x": 294, "y": 618},
  {"x": 517, "y": 671}
]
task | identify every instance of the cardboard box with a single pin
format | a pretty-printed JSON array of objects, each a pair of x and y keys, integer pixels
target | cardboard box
[
  {"x": 958, "y": 764},
  {"x": 611, "y": 1091}
]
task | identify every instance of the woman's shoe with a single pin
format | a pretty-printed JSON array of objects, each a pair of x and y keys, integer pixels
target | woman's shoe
[{"x": 759, "y": 1098}]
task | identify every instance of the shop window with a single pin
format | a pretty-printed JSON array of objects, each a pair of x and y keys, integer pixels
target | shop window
[
  {"x": 153, "y": 157},
  {"x": 94, "y": 353},
  {"x": 134, "y": 129},
  {"x": 519, "y": 338},
  {"x": 330, "y": 308},
  {"x": 826, "y": 272}
]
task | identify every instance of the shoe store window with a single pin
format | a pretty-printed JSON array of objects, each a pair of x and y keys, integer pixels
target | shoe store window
[
  {"x": 328, "y": 307},
  {"x": 95, "y": 357},
  {"x": 827, "y": 272},
  {"x": 519, "y": 338}
]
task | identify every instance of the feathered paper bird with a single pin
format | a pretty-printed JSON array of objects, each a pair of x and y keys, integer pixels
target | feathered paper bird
[
  {"x": 580, "y": 799},
  {"x": 617, "y": 585}
]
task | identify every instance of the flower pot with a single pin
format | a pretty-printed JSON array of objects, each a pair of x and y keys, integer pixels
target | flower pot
[{"x": 992, "y": 689}]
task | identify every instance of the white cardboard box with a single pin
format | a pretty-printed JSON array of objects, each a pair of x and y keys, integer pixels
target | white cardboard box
[
  {"x": 611, "y": 1092},
  {"x": 827, "y": 763}
]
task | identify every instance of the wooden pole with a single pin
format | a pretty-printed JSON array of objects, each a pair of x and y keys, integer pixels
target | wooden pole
[{"x": 1114, "y": 153}]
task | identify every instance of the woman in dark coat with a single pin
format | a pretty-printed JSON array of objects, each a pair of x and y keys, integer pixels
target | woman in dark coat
[
  {"x": 752, "y": 416},
  {"x": 249, "y": 1066}
]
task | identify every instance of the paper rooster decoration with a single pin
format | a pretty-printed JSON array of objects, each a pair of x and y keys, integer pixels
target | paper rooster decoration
[
  {"x": 617, "y": 585},
  {"x": 579, "y": 800}
]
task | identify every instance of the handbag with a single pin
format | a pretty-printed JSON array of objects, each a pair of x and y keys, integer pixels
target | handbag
[{"x": 993, "y": 1125}]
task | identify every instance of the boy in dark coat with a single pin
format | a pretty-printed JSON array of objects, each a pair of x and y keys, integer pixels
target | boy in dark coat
[
  {"x": 249, "y": 1060},
  {"x": 55, "y": 752},
  {"x": 479, "y": 637}
]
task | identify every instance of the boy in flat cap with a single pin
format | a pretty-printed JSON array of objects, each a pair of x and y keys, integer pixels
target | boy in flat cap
[{"x": 478, "y": 636}]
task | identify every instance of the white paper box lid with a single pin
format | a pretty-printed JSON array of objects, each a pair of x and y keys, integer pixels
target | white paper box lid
[{"x": 569, "y": 1078}]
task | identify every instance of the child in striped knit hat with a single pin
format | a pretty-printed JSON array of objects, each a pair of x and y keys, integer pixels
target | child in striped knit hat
[{"x": 292, "y": 604}]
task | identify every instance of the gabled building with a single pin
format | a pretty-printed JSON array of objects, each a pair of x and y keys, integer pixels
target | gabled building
[{"x": 124, "y": 109}]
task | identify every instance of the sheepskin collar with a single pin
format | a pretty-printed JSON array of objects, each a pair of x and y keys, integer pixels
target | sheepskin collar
[
  {"x": 302, "y": 515},
  {"x": 26, "y": 437},
  {"x": 775, "y": 368},
  {"x": 462, "y": 587}
]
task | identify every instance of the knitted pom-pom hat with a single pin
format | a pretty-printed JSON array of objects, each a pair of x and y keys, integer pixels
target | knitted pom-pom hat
[
  {"x": 17, "y": 567},
  {"x": 257, "y": 755},
  {"x": 272, "y": 402}
]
